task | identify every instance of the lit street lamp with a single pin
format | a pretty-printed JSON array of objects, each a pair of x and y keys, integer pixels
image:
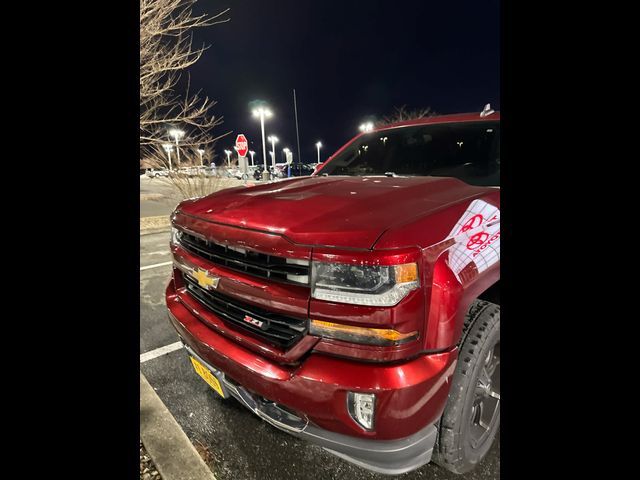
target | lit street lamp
[
  {"x": 261, "y": 113},
  {"x": 252, "y": 153},
  {"x": 273, "y": 139},
  {"x": 177, "y": 134},
  {"x": 201, "y": 151},
  {"x": 366, "y": 127},
  {"x": 286, "y": 159},
  {"x": 228, "y": 152},
  {"x": 318, "y": 145},
  {"x": 167, "y": 148}
]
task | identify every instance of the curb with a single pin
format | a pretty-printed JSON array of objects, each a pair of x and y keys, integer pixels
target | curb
[{"x": 169, "y": 447}]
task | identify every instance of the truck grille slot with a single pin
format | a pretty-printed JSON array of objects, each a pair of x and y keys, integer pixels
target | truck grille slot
[
  {"x": 273, "y": 328},
  {"x": 248, "y": 261}
]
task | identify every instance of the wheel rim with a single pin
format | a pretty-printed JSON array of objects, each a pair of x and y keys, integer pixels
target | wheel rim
[{"x": 486, "y": 403}]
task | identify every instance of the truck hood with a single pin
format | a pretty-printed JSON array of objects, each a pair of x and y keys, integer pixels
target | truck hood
[{"x": 349, "y": 212}]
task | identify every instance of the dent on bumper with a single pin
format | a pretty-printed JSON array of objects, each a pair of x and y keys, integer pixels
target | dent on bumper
[{"x": 392, "y": 457}]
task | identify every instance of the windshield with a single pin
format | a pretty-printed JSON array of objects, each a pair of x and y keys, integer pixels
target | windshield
[{"x": 468, "y": 151}]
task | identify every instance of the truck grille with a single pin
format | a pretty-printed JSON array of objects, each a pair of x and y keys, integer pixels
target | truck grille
[
  {"x": 254, "y": 263},
  {"x": 276, "y": 329}
]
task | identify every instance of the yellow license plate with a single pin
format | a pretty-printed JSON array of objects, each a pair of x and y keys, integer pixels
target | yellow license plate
[{"x": 207, "y": 376}]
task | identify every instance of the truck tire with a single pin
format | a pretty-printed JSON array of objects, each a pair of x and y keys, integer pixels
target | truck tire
[{"x": 471, "y": 417}]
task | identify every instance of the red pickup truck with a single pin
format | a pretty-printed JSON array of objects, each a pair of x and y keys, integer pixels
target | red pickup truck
[{"x": 357, "y": 308}]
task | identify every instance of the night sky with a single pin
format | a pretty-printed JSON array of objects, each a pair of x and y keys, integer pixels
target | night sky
[{"x": 349, "y": 61}]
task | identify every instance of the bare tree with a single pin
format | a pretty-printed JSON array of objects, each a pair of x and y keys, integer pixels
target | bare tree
[
  {"x": 199, "y": 185},
  {"x": 166, "y": 51},
  {"x": 401, "y": 114}
]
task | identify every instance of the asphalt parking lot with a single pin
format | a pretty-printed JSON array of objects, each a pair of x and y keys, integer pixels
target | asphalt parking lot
[{"x": 236, "y": 444}]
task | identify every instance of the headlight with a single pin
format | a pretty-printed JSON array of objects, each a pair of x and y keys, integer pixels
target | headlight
[
  {"x": 175, "y": 238},
  {"x": 374, "y": 285}
]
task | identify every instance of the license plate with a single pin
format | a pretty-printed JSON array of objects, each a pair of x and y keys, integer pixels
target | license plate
[{"x": 207, "y": 376}]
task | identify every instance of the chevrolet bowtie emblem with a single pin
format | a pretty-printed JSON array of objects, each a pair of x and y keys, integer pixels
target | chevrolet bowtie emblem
[{"x": 205, "y": 279}]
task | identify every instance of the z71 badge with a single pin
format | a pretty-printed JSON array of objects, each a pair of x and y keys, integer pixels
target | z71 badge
[{"x": 254, "y": 321}]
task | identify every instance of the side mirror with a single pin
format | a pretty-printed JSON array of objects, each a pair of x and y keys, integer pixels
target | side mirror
[{"x": 318, "y": 167}]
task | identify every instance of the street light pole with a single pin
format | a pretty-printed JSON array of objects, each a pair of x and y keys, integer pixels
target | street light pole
[
  {"x": 201, "y": 151},
  {"x": 177, "y": 134},
  {"x": 167, "y": 148},
  {"x": 252, "y": 153},
  {"x": 261, "y": 113},
  {"x": 286, "y": 152},
  {"x": 318, "y": 145},
  {"x": 273, "y": 139},
  {"x": 228, "y": 152}
]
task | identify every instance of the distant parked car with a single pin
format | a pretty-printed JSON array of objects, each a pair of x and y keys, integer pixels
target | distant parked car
[
  {"x": 187, "y": 171},
  {"x": 210, "y": 171},
  {"x": 257, "y": 172},
  {"x": 157, "y": 172},
  {"x": 302, "y": 169},
  {"x": 281, "y": 170}
]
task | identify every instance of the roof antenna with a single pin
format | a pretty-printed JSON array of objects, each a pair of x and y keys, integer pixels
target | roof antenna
[{"x": 487, "y": 110}]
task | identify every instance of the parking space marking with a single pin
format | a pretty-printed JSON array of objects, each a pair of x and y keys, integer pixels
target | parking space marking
[
  {"x": 159, "y": 252},
  {"x": 158, "y": 352},
  {"x": 155, "y": 265}
]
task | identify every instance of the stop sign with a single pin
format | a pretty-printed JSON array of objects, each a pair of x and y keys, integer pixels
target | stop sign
[{"x": 242, "y": 146}]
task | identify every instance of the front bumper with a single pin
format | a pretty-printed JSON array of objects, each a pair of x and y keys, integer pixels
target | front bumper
[
  {"x": 309, "y": 400},
  {"x": 392, "y": 457}
]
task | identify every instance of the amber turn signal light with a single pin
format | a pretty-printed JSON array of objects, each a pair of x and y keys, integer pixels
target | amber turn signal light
[{"x": 368, "y": 336}]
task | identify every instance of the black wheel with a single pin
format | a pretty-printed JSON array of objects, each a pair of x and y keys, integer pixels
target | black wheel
[{"x": 471, "y": 417}]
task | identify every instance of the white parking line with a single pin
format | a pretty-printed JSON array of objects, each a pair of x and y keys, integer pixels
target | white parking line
[
  {"x": 155, "y": 265},
  {"x": 158, "y": 352},
  {"x": 159, "y": 252}
]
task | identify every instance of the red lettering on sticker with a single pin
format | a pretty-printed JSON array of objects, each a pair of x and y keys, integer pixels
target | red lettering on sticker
[
  {"x": 473, "y": 222},
  {"x": 476, "y": 240},
  {"x": 491, "y": 240}
]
